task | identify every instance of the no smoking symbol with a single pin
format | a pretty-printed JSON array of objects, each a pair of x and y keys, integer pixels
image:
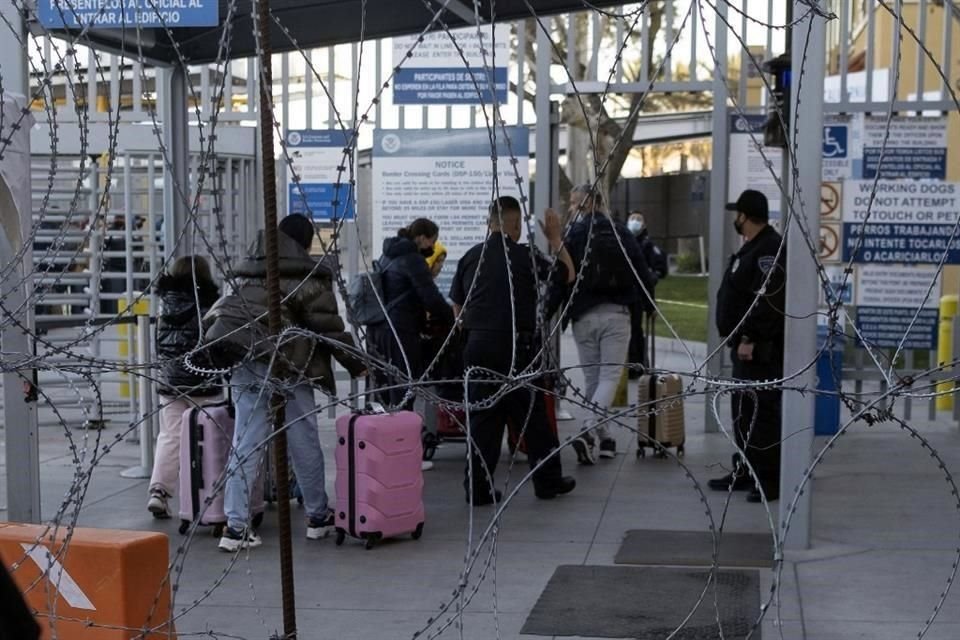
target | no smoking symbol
[
  {"x": 829, "y": 242},
  {"x": 829, "y": 200}
]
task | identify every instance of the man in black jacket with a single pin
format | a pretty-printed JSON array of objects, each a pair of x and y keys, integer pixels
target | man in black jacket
[
  {"x": 750, "y": 317},
  {"x": 657, "y": 261},
  {"x": 495, "y": 293},
  {"x": 613, "y": 276}
]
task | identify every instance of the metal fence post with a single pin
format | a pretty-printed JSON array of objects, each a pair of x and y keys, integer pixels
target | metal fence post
[
  {"x": 146, "y": 414},
  {"x": 802, "y": 279}
]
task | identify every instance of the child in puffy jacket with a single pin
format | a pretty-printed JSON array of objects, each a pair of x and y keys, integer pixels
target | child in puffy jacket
[{"x": 186, "y": 293}]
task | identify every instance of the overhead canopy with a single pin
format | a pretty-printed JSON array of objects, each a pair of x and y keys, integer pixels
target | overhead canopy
[{"x": 320, "y": 23}]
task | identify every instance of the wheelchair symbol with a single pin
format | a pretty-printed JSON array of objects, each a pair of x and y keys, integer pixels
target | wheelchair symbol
[{"x": 834, "y": 142}]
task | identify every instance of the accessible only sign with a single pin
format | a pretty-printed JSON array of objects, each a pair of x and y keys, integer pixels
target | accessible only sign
[{"x": 907, "y": 221}]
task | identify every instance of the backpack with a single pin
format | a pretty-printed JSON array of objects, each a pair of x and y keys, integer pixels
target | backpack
[
  {"x": 608, "y": 268},
  {"x": 365, "y": 297}
]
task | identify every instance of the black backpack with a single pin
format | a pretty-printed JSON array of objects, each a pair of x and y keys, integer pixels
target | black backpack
[{"x": 608, "y": 269}]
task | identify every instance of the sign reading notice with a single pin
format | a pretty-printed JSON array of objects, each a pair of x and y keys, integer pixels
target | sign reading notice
[
  {"x": 324, "y": 191},
  {"x": 441, "y": 71},
  {"x": 118, "y": 14},
  {"x": 888, "y": 299},
  {"x": 447, "y": 176},
  {"x": 908, "y": 221},
  {"x": 752, "y": 166},
  {"x": 916, "y": 147}
]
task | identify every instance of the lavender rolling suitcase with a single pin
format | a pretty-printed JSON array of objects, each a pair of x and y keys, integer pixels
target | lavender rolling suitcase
[
  {"x": 206, "y": 437},
  {"x": 379, "y": 479}
]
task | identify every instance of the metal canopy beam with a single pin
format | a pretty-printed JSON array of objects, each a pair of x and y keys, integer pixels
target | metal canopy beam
[{"x": 321, "y": 23}]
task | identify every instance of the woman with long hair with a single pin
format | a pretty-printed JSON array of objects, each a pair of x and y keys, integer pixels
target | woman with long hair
[{"x": 409, "y": 295}]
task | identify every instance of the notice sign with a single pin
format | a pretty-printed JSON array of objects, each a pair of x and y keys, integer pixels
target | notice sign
[
  {"x": 916, "y": 148},
  {"x": 319, "y": 164},
  {"x": 447, "y": 176},
  {"x": 441, "y": 71},
  {"x": 883, "y": 327},
  {"x": 118, "y": 14},
  {"x": 888, "y": 299},
  {"x": 753, "y": 166},
  {"x": 898, "y": 286},
  {"x": 908, "y": 221}
]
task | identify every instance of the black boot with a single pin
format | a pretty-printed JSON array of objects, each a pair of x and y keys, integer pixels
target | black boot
[
  {"x": 558, "y": 487},
  {"x": 740, "y": 482}
]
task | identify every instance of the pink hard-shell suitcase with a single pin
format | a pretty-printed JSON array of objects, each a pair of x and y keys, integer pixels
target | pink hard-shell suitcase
[
  {"x": 379, "y": 477},
  {"x": 206, "y": 438}
]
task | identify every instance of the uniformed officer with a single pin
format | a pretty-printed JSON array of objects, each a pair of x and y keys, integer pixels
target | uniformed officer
[
  {"x": 495, "y": 295},
  {"x": 750, "y": 317}
]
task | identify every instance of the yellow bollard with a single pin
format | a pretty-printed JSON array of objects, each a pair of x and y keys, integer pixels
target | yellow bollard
[
  {"x": 948, "y": 311},
  {"x": 620, "y": 399}
]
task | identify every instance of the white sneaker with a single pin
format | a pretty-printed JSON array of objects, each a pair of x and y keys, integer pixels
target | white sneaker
[
  {"x": 320, "y": 528},
  {"x": 585, "y": 451},
  {"x": 234, "y": 540},
  {"x": 426, "y": 465},
  {"x": 158, "y": 504}
]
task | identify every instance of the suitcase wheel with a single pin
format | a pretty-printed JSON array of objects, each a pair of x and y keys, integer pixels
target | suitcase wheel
[
  {"x": 184, "y": 525},
  {"x": 681, "y": 450},
  {"x": 660, "y": 453},
  {"x": 417, "y": 532},
  {"x": 341, "y": 536},
  {"x": 372, "y": 540},
  {"x": 257, "y": 520},
  {"x": 429, "y": 452},
  {"x": 218, "y": 530}
]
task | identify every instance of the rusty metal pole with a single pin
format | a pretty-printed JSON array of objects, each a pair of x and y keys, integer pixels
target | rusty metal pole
[{"x": 278, "y": 400}]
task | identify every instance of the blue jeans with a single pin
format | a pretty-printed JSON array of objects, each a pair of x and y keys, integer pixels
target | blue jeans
[{"x": 251, "y": 397}]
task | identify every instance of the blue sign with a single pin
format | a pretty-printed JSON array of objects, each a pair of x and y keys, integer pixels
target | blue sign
[
  {"x": 456, "y": 85},
  {"x": 835, "y": 141},
  {"x": 319, "y": 184},
  {"x": 900, "y": 243},
  {"x": 885, "y": 327},
  {"x": 918, "y": 163},
  {"x": 128, "y": 14}
]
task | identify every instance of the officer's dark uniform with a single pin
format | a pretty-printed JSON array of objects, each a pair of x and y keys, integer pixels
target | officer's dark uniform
[
  {"x": 482, "y": 288},
  {"x": 16, "y": 621},
  {"x": 756, "y": 412}
]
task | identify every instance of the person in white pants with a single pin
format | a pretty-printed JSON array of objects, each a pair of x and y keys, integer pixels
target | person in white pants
[{"x": 186, "y": 293}]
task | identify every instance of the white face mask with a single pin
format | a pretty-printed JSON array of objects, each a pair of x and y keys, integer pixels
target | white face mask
[{"x": 635, "y": 226}]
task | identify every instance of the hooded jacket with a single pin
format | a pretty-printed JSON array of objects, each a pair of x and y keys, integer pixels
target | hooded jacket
[
  {"x": 578, "y": 241},
  {"x": 409, "y": 286},
  {"x": 178, "y": 333},
  {"x": 238, "y": 321}
]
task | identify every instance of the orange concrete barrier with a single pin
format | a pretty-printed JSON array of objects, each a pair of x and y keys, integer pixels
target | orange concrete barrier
[{"x": 106, "y": 585}]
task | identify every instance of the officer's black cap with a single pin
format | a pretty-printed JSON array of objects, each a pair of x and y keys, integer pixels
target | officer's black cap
[{"x": 752, "y": 204}]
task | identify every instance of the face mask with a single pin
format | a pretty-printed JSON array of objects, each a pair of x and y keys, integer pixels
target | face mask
[
  {"x": 635, "y": 226},
  {"x": 426, "y": 253},
  {"x": 738, "y": 226}
]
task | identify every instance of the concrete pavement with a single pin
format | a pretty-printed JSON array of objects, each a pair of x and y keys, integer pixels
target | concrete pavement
[{"x": 886, "y": 529}]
